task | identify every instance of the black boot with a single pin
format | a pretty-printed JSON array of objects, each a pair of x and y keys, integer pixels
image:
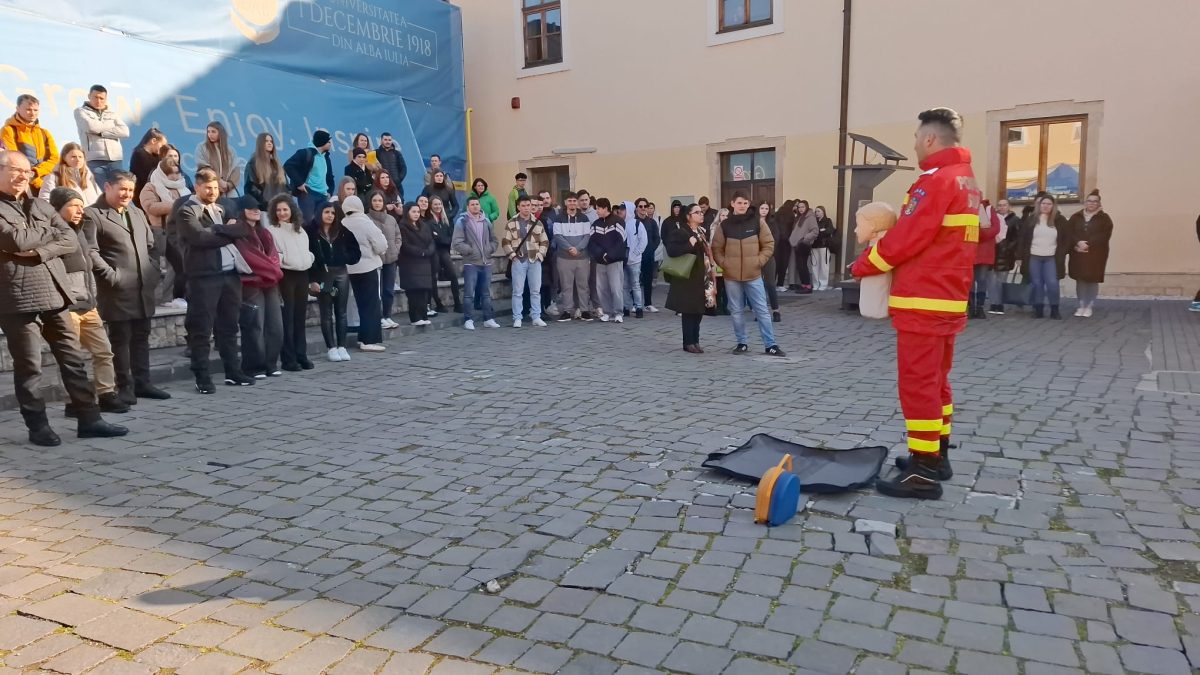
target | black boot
[
  {"x": 111, "y": 403},
  {"x": 1054, "y": 312},
  {"x": 147, "y": 390},
  {"x": 944, "y": 472},
  {"x": 44, "y": 436},
  {"x": 126, "y": 394},
  {"x": 1037, "y": 312},
  {"x": 98, "y": 428},
  {"x": 918, "y": 481}
]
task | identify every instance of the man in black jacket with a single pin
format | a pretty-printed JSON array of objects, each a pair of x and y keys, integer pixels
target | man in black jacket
[
  {"x": 653, "y": 239},
  {"x": 1006, "y": 255},
  {"x": 608, "y": 250},
  {"x": 312, "y": 180},
  {"x": 392, "y": 160},
  {"x": 214, "y": 287},
  {"x": 34, "y": 296},
  {"x": 121, "y": 246}
]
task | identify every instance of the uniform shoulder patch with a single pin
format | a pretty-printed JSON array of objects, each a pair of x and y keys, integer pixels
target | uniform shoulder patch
[{"x": 914, "y": 199}]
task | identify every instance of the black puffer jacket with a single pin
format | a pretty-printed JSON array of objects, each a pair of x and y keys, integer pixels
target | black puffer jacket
[{"x": 35, "y": 283}]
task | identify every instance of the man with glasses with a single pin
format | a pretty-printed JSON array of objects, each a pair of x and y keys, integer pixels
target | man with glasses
[
  {"x": 637, "y": 241},
  {"x": 649, "y": 268},
  {"x": 34, "y": 296},
  {"x": 742, "y": 246}
]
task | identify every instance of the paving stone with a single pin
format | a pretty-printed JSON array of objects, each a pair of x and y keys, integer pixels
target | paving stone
[
  {"x": 512, "y": 619},
  {"x": 762, "y": 642},
  {"x": 861, "y": 611},
  {"x": 934, "y": 657},
  {"x": 974, "y": 636},
  {"x": 1042, "y": 648},
  {"x": 823, "y": 657},
  {"x": 405, "y": 633},
  {"x": 1146, "y": 628},
  {"x": 916, "y": 625},
  {"x": 598, "y": 638},
  {"x": 638, "y": 587},
  {"x": 1082, "y": 606},
  {"x": 214, "y": 663},
  {"x": 17, "y": 631},
  {"x": 1101, "y": 659},
  {"x": 313, "y": 658},
  {"x": 78, "y": 659},
  {"x": 457, "y": 641},
  {"x": 418, "y": 664},
  {"x": 658, "y": 619},
  {"x": 126, "y": 629},
  {"x": 795, "y": 620},
  {"x": 976, "y": 663},
  {"x": 707, "y": 630},
  {"x": 861, "y": 637},
  {"x": 264, "y": 643},
  {"x": 316, "y": 616},
  {"x": 361, "y": 662},
  {"x": 644, "y": 649},
  {"x": 503, "y": 651},
  {"x": 689, "y": 657},
  {"x": 543, "y": 659},
  {"x": 1040, "y": 623},
  {"x": 69, "y": 609},
  {"x": 553, "y": 628},
  {"x": 707, "y": 578},
  {"x": 1153, "y": 660}
]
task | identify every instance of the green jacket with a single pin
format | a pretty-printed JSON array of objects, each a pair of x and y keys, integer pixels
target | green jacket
[
  {"x": 513, "y": 195},
  {"x": 488, "y": 203}
]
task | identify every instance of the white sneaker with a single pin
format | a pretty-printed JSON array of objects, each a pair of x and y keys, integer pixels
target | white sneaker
[
  {"x": 1087, "y": 313},
  {"x": 430, "y": 313},
  {"x": 335, "y": 355},
  {"x": 539, "y": 323},
  {"x": 179, "y": 303},
  {"x": 652, "y": 309},
  {"x": 516, "y": 323},
  {"x": 371, "y": 348},
  {"x": 469, "y": 324},
  {"x": 619, "y": 319},
  {"x": 343, "y": 353},
  {"x": 1079, "y": 312},
  {"x": 606, "y": 318},
  {"x": 425, "y": 322},
  {"x": 491, "y": 323},
  {"x": 781, "y": 289}
]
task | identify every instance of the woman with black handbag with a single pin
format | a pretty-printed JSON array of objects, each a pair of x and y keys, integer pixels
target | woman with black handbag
[{"x": 691, "y": 295}]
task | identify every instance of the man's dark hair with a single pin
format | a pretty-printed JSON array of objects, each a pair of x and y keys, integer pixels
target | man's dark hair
[
  {"x": 472, "y": 198},
  {"x": 603, "y": 203},
  {"x": 736, "y": 196},
  {"x": 651, "y": 204},
  {"x": 703, "y": 201},
  {"x": 27, "y": 98},
  {"x": 545, "y": 192},
  {"x": 386, "y": 134},
  {"x": 435, "y": 155},
  {"x": 520, "y": 176},
  {"x": 581, "y": 193},
  {"x": 804, "y": 202},
  {"x": 114, "y": 177},
  {"x": 523, "y": 199},
  {"x": 98, "y": 87},
  {"x": 641, "y": 201},
  {"x": 946, "y": 123}
]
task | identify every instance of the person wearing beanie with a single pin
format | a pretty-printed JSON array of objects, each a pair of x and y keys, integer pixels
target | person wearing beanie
[
  {"x": 1090, "y": 231},
  {"x": 310, "y": 172},
  {"x": 122, "y": 255},
  {"x": 364, "y": 274},
  {"x": 357, "y": 169},
  {"x": 85, "y": 318}
]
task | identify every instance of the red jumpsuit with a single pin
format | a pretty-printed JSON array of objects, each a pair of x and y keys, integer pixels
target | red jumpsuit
[{"x": 930, "y": 253}]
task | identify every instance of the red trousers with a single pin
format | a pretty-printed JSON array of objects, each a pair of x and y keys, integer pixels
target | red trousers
[{"x": 923, "y": 365}]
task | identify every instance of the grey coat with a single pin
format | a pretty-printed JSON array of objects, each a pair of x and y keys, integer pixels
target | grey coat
[
  {"x": 469, "y": 248},
  {"x": 33, "y": 283},
  {"x": 121, "y": 254}
]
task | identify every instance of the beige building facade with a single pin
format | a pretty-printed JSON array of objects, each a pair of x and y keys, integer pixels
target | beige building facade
[{"x": 683, "y": 98}]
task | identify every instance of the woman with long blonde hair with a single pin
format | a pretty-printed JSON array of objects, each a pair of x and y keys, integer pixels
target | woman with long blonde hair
[
  {"x": 72, "y": 172},
  {"x": 215, "y": 153},
  {"x": 265, "y": 177}
]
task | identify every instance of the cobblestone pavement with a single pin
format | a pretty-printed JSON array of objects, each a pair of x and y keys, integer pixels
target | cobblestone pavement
[{"x": 344, "y": 521}]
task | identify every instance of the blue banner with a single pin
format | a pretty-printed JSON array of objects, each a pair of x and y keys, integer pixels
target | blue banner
[{"x": 287, "y": 68}]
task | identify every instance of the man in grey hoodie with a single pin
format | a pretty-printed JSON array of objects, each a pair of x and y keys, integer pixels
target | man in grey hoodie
[
  {"x": 571, "y": 233},
  {"x": 474, "y": 241}
]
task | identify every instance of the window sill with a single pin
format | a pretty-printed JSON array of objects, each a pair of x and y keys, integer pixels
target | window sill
[
  {"x": 740, "y": 33},
  {"x": 546, "y": 69},
  {"x": 745, "y": 26}
]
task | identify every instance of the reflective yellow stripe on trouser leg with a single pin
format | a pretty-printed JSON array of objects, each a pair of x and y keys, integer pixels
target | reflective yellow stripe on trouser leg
[
  {"x": 947, "y": 413},
  {"x": 922, "y": 445}
]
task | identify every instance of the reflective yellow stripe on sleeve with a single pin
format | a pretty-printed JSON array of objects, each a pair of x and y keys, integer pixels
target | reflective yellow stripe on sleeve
[
  {"x": 961, "y": 220},
  {"x": 928, "y": 304},
  {"x": 877, "y": 260},
  {"x": 923, "y": 425},
  {"x": 948, "y": 409}
]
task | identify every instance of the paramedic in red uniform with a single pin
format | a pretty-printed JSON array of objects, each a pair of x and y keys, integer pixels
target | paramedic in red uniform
[{"x": 930, "y": 253}]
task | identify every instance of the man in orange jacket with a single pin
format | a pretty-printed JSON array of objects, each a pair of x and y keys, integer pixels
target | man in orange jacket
[
  {"x": 930, "y": 253},
  {"x": 22, "y": 133}
]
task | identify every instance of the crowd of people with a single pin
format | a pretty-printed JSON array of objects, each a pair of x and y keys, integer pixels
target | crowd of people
[{"x": 90, "y": 250}]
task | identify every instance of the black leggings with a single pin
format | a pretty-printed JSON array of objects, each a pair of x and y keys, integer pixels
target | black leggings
[
  {"x": 443, "y": 270},
  {"x": 417, "y": 302},
  {"x": 175, "y": 259},
  {"x": 768, "y": 279},
  {"x": 294, "y": 290},
  {"x": 691, "y": 329},
  {"x": 801, "y": 255}
]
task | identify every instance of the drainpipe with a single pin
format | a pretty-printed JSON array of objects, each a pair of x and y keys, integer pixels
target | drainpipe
[
  {"x": 842, "y": 130},
  {"x": 470, "y": 154}
]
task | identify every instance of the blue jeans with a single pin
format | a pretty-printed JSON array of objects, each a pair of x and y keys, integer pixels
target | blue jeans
[
  {"x": 387, "y": 288},
  {"x": 1043, "y": 280},
  {"x": 101, "y": 168},
  {"x": 736, "y": 293},
  {"x": 477, "y": 280},
  {"x": 633, "y": 285},
  {"x": 523, "y": 270}
]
